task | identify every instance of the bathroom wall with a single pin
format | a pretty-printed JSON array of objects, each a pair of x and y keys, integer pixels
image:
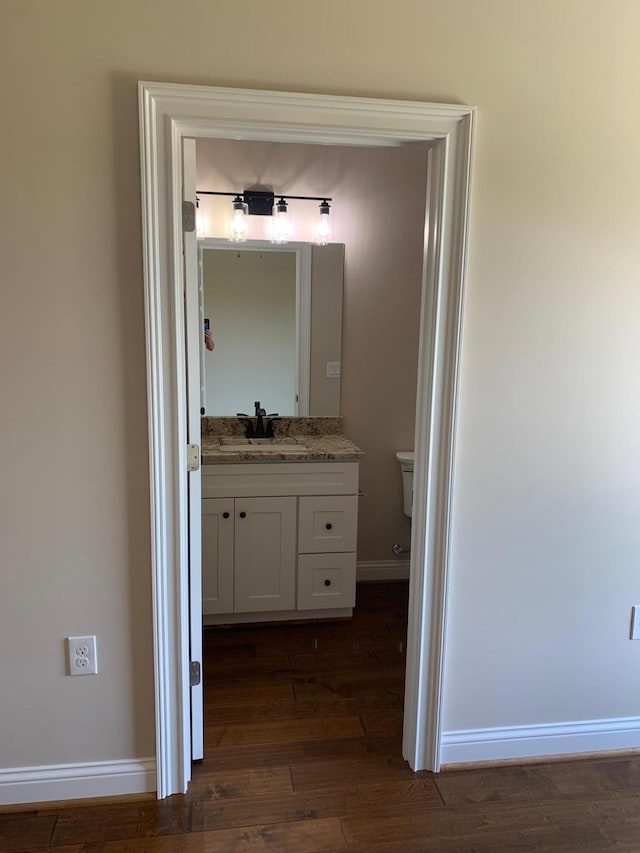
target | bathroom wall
[{"x": 378, "y": 213}]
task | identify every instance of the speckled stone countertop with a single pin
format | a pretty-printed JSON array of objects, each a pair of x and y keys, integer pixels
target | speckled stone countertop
[{"x": 297, "y": 440}]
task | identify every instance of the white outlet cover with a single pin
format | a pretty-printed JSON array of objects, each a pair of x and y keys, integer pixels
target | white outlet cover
[{"x": 82, "y": 655}]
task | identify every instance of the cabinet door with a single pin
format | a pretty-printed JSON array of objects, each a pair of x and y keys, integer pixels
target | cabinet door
[
  {"x": 265, "y": 554},
  {"x": 217, "y": 555},
  {"x": 328, "y": 524}
]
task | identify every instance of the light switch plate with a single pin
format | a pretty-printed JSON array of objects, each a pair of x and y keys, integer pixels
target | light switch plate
[{"x": 333, "y": 369}]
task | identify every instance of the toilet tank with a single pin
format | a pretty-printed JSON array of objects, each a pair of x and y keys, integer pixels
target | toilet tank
[{"x": 405, "y": 458}]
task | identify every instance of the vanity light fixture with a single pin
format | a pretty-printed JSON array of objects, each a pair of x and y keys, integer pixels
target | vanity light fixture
[
  {"x": 323, "y": 227},
  {"x": 239, "y": 223},
  {"x": 281, "y": 224},
  {"x": 255, "y": 202}
]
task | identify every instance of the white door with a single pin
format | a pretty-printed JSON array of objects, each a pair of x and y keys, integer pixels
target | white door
[
  {"x": 265, "y": 554},
  {"x": 193, "y": 342}
]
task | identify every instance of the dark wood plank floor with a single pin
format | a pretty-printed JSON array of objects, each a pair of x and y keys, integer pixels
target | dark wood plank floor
[{"x": 303, "y": 754}]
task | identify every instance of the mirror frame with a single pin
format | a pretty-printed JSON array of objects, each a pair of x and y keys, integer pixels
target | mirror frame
[
  {"x": 302, "y": 252},
  {"x": 171, "y": 112}
]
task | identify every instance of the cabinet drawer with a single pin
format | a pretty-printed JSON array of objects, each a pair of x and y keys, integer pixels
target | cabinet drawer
[
  {"x": 327, "y": 524},
  {"x": 247, "y": 479},
  {"x": 326, "y": 580}
]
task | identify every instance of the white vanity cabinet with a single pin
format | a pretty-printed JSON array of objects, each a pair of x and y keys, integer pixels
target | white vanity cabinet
[{"x": 278, "y": 540}]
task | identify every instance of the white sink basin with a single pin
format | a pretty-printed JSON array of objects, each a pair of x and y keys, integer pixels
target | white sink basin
[{"x": 285, "y": 444}]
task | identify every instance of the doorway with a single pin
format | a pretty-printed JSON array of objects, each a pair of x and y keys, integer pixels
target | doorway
[
  {"x": 169, "y": 113},
  {"x": 363, "y": 312}
]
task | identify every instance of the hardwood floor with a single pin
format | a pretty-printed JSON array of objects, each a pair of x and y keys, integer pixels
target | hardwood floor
[{"x": 302, "y": 754}]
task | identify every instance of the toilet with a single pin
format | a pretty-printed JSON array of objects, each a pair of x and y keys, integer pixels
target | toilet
[{"x": 405, "y": 458}]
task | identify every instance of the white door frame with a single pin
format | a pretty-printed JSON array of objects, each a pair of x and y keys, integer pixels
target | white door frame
[{"x": 169, "y": 112}]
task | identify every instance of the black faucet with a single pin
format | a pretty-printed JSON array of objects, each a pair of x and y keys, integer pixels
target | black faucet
[
  {"x": 259, "y": 430},
  {"x": 260, "y": 413}
]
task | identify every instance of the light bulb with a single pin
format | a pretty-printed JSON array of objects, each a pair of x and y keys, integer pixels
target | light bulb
[
  {"x": 281, "y": 226},
  {"x": 239, "y": 222},
  {"x": 323, "y": 227}
]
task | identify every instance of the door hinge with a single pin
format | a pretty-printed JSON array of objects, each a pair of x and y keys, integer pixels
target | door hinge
[
  {"x": 193, "y": 457},
  {"x": 194, "y": 673},
  {"x": 188, "y": 216}
]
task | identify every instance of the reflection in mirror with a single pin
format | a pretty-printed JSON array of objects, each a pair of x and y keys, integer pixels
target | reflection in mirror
[{"x": 272, "y": 327}]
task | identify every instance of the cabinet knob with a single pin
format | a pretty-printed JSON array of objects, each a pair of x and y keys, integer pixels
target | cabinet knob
[
  {"x": 328, "y": 525},
  {"x": 243, "y": 515},
  {"x": 225, "y": 515},
  {"x": 327, "y": 582}
]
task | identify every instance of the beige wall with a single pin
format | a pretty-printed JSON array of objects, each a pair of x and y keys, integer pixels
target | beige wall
[
  {"x": 546, "y": 539},
  {"x": 378, "y": 203}
]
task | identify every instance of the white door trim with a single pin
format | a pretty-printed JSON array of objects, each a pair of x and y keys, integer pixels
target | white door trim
[{"x": 169, "y": 112}]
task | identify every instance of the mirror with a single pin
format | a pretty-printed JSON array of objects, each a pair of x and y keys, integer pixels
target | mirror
[{"x": 272, "y": 327}]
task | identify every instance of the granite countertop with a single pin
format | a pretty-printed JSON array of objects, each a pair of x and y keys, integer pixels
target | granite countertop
[{"x": 296, "y": 440}]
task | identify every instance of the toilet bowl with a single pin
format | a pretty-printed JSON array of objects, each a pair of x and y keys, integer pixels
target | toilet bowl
[{"x": 405, "y": 458}]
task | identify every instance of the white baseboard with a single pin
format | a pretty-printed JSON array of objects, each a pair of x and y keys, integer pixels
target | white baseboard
[
  {"x": 383, "y": 570},
  {"x": 459, "y": 747},
  {"x": 75, "y": 781}
]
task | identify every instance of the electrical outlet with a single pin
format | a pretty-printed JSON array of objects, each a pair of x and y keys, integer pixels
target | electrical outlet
[
  {"x": 82, "y": 655},
  {"x": 635, "y": 623}
]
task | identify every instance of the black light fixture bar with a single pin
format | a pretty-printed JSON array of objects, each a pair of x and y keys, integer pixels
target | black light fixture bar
[
  {"x": 260, "y": 202},
  {"x": 306, "y": 197},
  {"x": 272, "y": 195}
]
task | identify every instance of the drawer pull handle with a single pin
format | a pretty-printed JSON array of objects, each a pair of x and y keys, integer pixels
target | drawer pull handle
[
  {"x": 328, "y": 526},
  {"x": 327, "y": 582},
  {"x": 225, "y": 515},
  {"x": 243, "y": 515}
]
